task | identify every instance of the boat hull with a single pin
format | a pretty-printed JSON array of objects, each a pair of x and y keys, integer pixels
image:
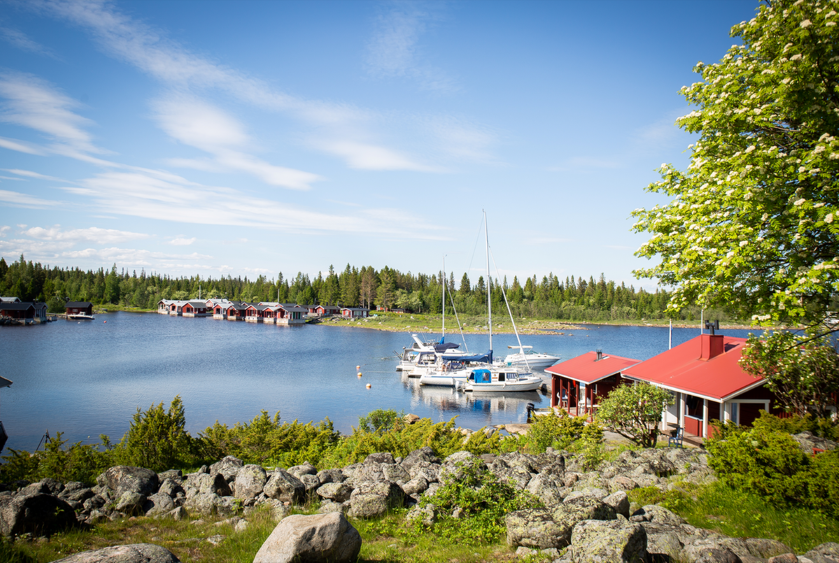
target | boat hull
[{"x": 504, "y": 386}]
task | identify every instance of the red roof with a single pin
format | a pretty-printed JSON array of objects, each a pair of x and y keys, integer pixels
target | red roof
[
  {"x": 683, "y": 368},
  {"x": 588, "y": 369}
]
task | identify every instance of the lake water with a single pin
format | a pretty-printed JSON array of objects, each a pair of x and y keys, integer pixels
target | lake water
[{"x": 89, "y": 378}]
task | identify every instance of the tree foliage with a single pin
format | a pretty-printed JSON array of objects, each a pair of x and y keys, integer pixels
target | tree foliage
[
  {"x": 633, "y": 411},
  {"x": 803, "y": 376},
  {"x": 754, "y": 219}
]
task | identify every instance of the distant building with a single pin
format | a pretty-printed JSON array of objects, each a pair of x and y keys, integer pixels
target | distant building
[
  {"x": 354, "y": 312},
  {"x": 78, "y": 308}
]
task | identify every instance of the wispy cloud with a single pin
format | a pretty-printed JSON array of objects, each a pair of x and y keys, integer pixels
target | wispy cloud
[
  {"x": 4, "y": 230},
  {"x": 181, "y": 241},
  {"x": 31, "y": 174},
  {"x": 20, "y": 40},
  {"x": 18, "y": 199},
  {"x": 335, "y": 127},
  {"x": 394, "y": 50},
  {"x": 33, "y": 103},
  {"x": 199, "y": 124},
  {"x": 462, "y": 139},
  {"x": 131, "y": 256},
  {"x": 20, "y": 146},
  {"x": 92, "y": 234}
]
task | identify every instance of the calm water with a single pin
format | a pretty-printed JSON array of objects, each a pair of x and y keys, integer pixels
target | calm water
[{"x": 89, "y": 378}]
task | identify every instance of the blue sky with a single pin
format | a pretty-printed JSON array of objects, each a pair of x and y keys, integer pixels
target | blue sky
[{"x": 244, "y": 138}]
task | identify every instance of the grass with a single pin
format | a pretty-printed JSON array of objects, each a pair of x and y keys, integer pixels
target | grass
[
  {"x": 739, "y": 514},
  {"x": 433, "y": 324}
]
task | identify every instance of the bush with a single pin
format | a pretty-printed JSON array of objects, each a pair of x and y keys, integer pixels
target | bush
[
  {"x": 481, "y": 500},
  {"x": 634, "y": 411},
  {"x": 56, "y": 305},
  {"x": 558, "y": 431},
  {"x": 797, "y": 424},
  {"x": 381, "y": 420},
  {"x": 771, "y": 464},
  {"x": 157, "y": 439},
  {"x": 75, "y": 463}
]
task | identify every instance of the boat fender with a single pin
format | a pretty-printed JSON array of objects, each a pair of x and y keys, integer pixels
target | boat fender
[
  {"x": 359, "y": 375},
  {"x": 369, "y": 386}
]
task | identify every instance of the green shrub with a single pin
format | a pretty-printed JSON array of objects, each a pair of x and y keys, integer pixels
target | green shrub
[
  {"x": 157, "y": 439},
  {"x": 482, "y": 501},
  {"x": 796, "y": 424},
  {"x": 591, "y": 446},
  {"x": 75, "y": 463},
  {"x": 267, "y": 441},
  {"x": 558, "y": 431},
  {"x": 771, "y": 464},
  {"x": 381, "y": 420}
]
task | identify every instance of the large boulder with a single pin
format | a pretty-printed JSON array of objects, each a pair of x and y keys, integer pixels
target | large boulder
[
  {"x": 608, "y": 542},
  {"x": 303, "y": 469},
  {"x": 285, "y": 487},
  {"x": 135, "y": 553},
  {"x": 321, "y": 537},
  {"x": 657, "y": 515},
  {"x": 250, "y": 480},
  {"x": 229, "y": 467},
  {"x": 126, "y": 478},
  {"x": 210, "y": 503},
  {"x": 209, "y": 483},
  {"x": 422, "y": 455},
  {"x": 824, "y": 553},
  {"x": 38, "y": 514},
  {"x": 338, "y": 492},
  {"x": 158, "y": 503},
  {"x": 535, "y": 528}
]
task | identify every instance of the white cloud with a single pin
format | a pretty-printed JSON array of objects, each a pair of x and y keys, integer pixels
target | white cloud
[
  {"x": 130, "y": 256},
  {"x": 142, "y": 195},
  {"x": 31, "y": 102},
  {"x": 30, "y": 174},
  {"x": 181, "y": 241},
  {"x": 92, "y": 234},
  {"x": 372, "y": 157},
  {"x": 18, "y": 39},
  {"x": 462, "y": 139},
  {"x": 18, "y": 199},
  {"x": 20, "y": 146},
  {"x": 4, "y": 230},
  {"x": 394, "y": 49}
]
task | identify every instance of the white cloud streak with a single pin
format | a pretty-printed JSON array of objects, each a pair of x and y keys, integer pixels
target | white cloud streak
[
  {"x": 20, "y": 146},
  {"x": 18, "y": 199},
  {"x": 181, "y": 241},
  {"x": 20, "y": 40},
  {"x": 92, "y": 234}
]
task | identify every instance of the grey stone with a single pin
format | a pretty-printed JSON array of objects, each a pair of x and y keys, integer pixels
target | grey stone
[
  {"x": 178, "y": 513},
  {"x": 824, "y": 553},
  {"x": 663, "y": 545},
  {"x": 367, "y": 505},
  {"x": 208, "y": 483},
  {"x": 211, "y": 503},
  {"x": 332, "y": 506},
  {"x": 396, "y": 473},
  {"x": 135, "y": 553},
  {"x": 322, "y": 537},
  {"x": 126, "y": 478},
  {"x": 311, "y": 482},
  {"x": 704, "y": 551},
  {"x": 384, "y": 457},
  {"x": 303, "y": 469},
  {"x": 249, "y": 481},
  {"x": 546, "y": 488},
  {"x": 174, "y": 474},
  {"x": 422, "y": 455},
  {"x": 93, "y": 503},
  {"x": 415, "y": 486},
  {"x": 339, "y": 492},
  {"x": 76, "y": 492},
  {"x": 34, "y": 513},
  {"x": 285, "y": 487},
  {"x": 608, "y": 542},
  {"x": 228, "y": 467},
  {"x": 391, "y": 492},
  {"x": 170, "y": 487},
  {"x": 425, "y": 514},
  {"x": 216, "y": 539},
  {"x": 619, "y": 501},
  {"x": 535, "y": 528},
  {"x": 656, "y": 514},
  {"x": 158, "y": 503},
  {"x": 330, "y": 476},
  {"x": 130, "y": 502}
]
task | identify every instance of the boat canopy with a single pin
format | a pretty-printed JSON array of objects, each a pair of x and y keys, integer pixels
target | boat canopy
[
  {"x": 445, "y": 346},
  {"x": 482, "y": 358},
  {"x": 482, "y": 376}
]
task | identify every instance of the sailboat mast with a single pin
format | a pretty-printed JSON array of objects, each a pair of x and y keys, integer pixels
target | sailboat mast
[
  {"x": 489, "y": 282},
  {"x": 444, "y": 299}
]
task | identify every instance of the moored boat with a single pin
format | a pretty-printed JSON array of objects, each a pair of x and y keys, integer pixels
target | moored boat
[{"x": 505, "y": 380}]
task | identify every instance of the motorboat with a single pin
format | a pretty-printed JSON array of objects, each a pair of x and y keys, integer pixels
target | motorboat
[
  {"x": 79, "y": 317},
  {"x": 411, "y": 356},
  {"x": 452, "y": 369},
  {"x": 504, "y": 380},
  {"x": 526, "y": 357}
]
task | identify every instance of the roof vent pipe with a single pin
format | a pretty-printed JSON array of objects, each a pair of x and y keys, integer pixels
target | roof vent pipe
[
  {"x": 712, "y": 325},
  {"x": 599, "y": 355}
]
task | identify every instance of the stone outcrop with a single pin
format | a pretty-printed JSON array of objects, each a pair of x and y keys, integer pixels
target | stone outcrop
[
  {"x": 135, "y": 553},
  {"x": 323, "y": 537}
]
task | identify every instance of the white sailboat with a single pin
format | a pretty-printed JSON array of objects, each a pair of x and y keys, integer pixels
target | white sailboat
[{"x": 526, "y": 357}]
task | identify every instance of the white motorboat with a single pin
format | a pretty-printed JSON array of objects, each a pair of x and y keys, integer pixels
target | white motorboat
[
  {"x": 527, "y": 358},
  {"x": 505, "y": 380},
  {"x": 79, "y": 317},
  {"x": 451, "y": 369},
  {"x": 420, "y": 353}
]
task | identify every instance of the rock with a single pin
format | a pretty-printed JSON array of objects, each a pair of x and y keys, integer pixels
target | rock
[
  {"x": 135, "y": 553},
  {"x": 310, "y": 482},
  {"x": 396, "y": 473},
  {"x": 277, "y": 508},
  {"x": 177, "y": 514},
  {"x": 656, "y": 514},
  {"x": 807, "y": 441},
  {"x": 126, "y": 478},
  {"x": 366, "y": 505},
  {"x": 240, "y": 526},
  {"x": 211, "y": 503},
  {"x": 304, "y": 469},
  {"x": 425, "y": 455},
  {"x": 384, "y": 457},
  {"x": 330, "y": 476},
  {"x": 249, "y": 482},
  {"x": 784, "y": 558},
  {"x": 338, "y": 492},
  {"x": 415, "y": 486},
  {"x": 608, "y": 542},
  {"x": 425, "y": 514},
  {"x": 158, "y": 503},
  {"x": 216, "y": 539},
  {"x": 285, "y": 487},
  {"x": 52, "y": 487},
  {"x": 322, "y": 537},
  {"x": 824, "y": 553},
  {"x": 75, "y": 491},
  {"x": 765, "y": 549},
  {"x": 130, "y": 502},
  {"x": 170, "y": 487},
  {"x": 535, "y": 528},
  {"x": 619, "y": 501},
  {"x": 704, "y": 551},
  {"x": 173, "y": 474},
  {"x": 411, "y": 418},
  {"x": 547, "y": 489},
  {"x": 229, "y": 467},
  {"x": 391, "y": 492},
  {"x": 38, "y": 514},
  {"x": 209, "y": 483},
  {"x": 93, "y": 503},
  {"x": 332, "y": 506},
  {"x": 663, "y": 544}
]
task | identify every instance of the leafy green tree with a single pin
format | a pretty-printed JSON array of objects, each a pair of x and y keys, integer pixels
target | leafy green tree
[
  {"x": 386, "y": 293},
  {"x": 633, "y": 411},
  {"x": 804, "y": 376},
  {"x": 754, "y": 218}
]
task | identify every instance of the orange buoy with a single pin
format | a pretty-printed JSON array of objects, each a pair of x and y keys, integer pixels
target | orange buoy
[
  {"x": 369, "y": 386},
  {"x": 359, "y": 374},
  {"x": 357, "y": 368}
]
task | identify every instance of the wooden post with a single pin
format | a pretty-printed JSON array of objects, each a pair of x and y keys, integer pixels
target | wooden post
[
  {"x": 682, "y": 406},
  {"x": 553, "y": 391},
  {"x": 704, "y": 418}
]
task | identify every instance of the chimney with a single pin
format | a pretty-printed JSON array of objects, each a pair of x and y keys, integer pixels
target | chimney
[
  {"x": 599, "y": 355},
  {"x": 711, "y": 346}
]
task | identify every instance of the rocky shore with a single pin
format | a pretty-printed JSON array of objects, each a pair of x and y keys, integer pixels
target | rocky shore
[{"x": 587, "y": 514}]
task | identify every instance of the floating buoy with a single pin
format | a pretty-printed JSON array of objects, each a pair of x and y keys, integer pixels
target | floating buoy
[
  {"x": 106, "y": 322},
  {"x": 357, "y": 368},
  {"x": 369, "y": 386},
  {"x": 359, "y": 374}
]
